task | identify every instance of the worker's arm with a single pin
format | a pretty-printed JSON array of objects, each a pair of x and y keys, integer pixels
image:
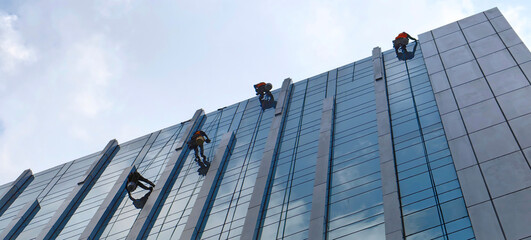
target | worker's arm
[
  {"x": 140, "y": 177},
  {"x": 204, "y": 134},
  {"x": 410, "y": 37}
]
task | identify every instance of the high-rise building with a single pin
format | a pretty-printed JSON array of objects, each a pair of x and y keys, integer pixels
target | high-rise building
[{"x": 435, "y": 145}]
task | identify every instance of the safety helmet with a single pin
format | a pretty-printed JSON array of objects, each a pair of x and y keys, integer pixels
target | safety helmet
[{"x": 131, "y": 186}]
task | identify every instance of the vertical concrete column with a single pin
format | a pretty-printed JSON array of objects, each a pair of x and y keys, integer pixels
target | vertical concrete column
[
  {"x": 107, "y": 208},
  {"x": 392, "y": 211},
  {"x": 70, "y": 204},
  {"x": 479, "y": 69},
  {"x": 331, "y": 83},
  {"x": 255, "y": 210},
  {"x": 377, "y": 63},
  {"x": 322, "y": 168},
  {"x": 23, "y": 217},
  {"x": 208, "y": 189},
  {"x": 147, "y": 215},
  {"x": 283, "y": 96},
  {"x": 16, "y": 188}
]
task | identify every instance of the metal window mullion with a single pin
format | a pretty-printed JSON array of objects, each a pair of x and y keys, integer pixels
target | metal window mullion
[
  {"x": 321, "y": 187},
  {"x": 251, "y": 225},
  {"x": 147, "y": 216},
  {"x": 145, "y": 149},
  {"x": 107, "y": 208},
  {"x": 243, "y": 172},
  {"x": 74, "y": 199},
  {"x": 428, "y": 165},
  {"x": 287, "y": 197},
  {"x": 394, "y": 225},
  {"x": 196, "y": 219},
  {"x": 25, "y": 178},
  {"x": 18, "y": 223}
]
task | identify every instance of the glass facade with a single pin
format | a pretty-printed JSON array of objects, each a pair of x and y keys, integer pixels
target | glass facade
[
  {"x": 228, "y": 208},
  {"x": 290, "y": 198},
  {"x": 432, "y": 203},
  {"x": 50, "y": 188},
  {"x": 431, "y": 195},
  {"x": 431, "y": 200},
  {"x": 151, "y": 168},
  {"x": 355, "y": 207}
]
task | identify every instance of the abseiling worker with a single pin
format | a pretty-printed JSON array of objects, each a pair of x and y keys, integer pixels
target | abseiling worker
[
  {"x": 262, "y": 89},
  {"x": 133, "y": 180},
  {"x": 401, "y": 41},
  {"x": 196, "y": 141}
]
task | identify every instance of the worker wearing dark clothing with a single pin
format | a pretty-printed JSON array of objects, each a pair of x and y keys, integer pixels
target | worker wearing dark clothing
[
  {"x": 401, "y": 41},
  {"x": 262, "y": 89},
  {"x": 407, "y": 55},
  {"x": 133, "y": 180},
  {"x": 196, "y": 141}
]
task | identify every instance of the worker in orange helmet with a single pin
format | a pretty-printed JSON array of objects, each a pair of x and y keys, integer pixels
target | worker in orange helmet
[
  {"x": 196, "y": 141},
  {"x": 401, "y": 41},
  {"x": 263, "y": 89}
]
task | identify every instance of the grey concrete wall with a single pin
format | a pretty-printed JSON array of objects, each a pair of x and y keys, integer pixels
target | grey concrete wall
[
  {"x": 164, "y": 184},
  {"x": 254, "y": 212},
  {"x": 206, "y": 193},
  {"x": 392, "y": 213},
  {"x": 480, "y": 72},
  {"x": 321, "y": 180}
]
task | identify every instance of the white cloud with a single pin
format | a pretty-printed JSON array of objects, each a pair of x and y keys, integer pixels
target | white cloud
[
  {"x": 93, "y": 71},
  {"x": 518, "y": 17},
  {"x": 90, "y": 72},
  {"x": 13, "y": 51}
]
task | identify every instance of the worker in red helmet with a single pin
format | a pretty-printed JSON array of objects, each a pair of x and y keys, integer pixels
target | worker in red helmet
[
  {"x": 401, "y": 41},
  {"x": 263, "y": 89}
]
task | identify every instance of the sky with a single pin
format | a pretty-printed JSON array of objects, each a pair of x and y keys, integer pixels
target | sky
[{"x": 76, "y": 74}]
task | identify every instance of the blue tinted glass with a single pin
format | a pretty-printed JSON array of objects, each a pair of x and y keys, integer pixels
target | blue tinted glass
[{"x": 426, "y": 176}]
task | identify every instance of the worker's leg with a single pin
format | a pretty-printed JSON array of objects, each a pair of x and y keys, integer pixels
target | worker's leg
[
  {"x": 201, "y": 164},
  {"x": 202, "y": 152},
  {"x": 196, "y": 152}
]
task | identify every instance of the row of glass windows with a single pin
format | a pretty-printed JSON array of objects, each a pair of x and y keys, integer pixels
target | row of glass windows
[
  {"x": 38, "y": 187},
  {"x": 431, "y": 200},
  {"x": 151, "y": 167},
  {"x": 355, "y": 203},
  {"x": 227, "y": 210},
  {"x": 280, "y": 213}
]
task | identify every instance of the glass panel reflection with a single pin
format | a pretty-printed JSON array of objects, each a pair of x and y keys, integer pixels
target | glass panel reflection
[{"x": 430, "y": 194}]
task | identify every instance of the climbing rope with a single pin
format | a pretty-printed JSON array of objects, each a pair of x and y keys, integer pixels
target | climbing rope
[{"x": 162, "y": 148}]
